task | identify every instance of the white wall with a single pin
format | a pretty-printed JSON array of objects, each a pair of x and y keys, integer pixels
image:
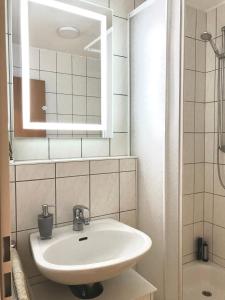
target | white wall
[{"x": 155, "y": 137}]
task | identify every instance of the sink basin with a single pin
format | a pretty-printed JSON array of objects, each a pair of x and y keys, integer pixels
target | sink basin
[{"x": 103, "y": 250}]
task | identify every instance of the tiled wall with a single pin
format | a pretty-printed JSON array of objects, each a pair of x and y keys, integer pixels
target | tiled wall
[
  {"x": 72, "y": 85},
  {"x": 203, "y": 200},
  {"x": 214, "y": 226},
  {"x": 29, "y": 149},
  {"x": 107, "y": 187},
  {"x": 194, "y": 127}
]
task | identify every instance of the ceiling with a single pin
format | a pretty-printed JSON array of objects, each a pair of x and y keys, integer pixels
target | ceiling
[
  {"x": 45, "y": 21},
  {"x": 204, "y": 4}
]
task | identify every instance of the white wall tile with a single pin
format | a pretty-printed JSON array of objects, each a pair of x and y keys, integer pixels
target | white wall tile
[
  {"x": 120, "y": 113},
  {"x": 93, "y": 87},
  {"x": 61, "y": 148},
  {"x": 127, "y": 191},
  {"x": 199, "y": 178},
  {"x": 51, "y": 103},
  {"x": 120, "y": 37},
  {"x": 79, "y": 85},
  {"x": 93, "y": 106},
  {"x": 199, "y": 117},
  {"x": 30, "y": 149},
  {"x": 34, "y": 58},
  {"x": 31, "y": 195},
  {"x": 200, "y": 56},
  {"x": 64, "y": 84},
  {"x": 201, "y": 23},
  {"x": 93, "y": 67},
  {"x": 209, "y": 178},
  {"x": 50, "y": 81},
  {"x": 17, "y": 57},
  {"x": 119, "y": 144},
  {"x": 64, "y": 104},
  {"x": 35, "y": 171},
  {"x": 64, "y": 63},
  {"x": 47, "y": 60},
  {"x": 104, "y": 194},
  {"x": 71, "y": 191},
  {"x": 199, "y": 147},
  {"x": 120, "y": 75},
  {"x": 79, "y": 105},
  {"x": 79, "y": 65},
  {"x": 95, "y": 147},
  {"x": 200, "y": 87}
]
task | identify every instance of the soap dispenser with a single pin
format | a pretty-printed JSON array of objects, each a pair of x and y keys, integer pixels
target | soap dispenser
[{"x": 45, "y": 223}]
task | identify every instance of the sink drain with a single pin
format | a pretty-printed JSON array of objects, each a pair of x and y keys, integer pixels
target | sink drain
[{"x": 207, "y": 293}]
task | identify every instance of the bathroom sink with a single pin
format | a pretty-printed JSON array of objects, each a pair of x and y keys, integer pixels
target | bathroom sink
[{"x": 103, "y": 250}]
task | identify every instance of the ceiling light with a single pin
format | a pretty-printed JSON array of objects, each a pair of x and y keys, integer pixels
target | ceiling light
[{"x": 68, "y": 32}]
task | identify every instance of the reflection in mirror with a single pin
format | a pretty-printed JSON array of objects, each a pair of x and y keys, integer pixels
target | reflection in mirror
[{"x": 61, "y": 69}]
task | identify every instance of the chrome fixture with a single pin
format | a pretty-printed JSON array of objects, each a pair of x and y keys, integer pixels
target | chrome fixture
[
  {"x": 78, "y": 217},
  {"x": 206, "y": 36}
]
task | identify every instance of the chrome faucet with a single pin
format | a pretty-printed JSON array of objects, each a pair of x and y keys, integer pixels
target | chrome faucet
[{"x": 78, "y": 217}]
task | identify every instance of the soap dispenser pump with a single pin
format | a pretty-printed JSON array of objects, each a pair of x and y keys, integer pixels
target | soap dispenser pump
[{"x": 45, "y": 223}]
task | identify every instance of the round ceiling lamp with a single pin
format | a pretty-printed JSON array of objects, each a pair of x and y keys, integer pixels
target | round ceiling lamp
[{"x": 68, "y": 32}]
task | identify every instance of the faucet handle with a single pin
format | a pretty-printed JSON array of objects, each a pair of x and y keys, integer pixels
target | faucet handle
[{"x": 80, "y": 207}]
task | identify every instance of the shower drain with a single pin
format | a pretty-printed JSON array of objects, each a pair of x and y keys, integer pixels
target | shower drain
[{"x": 207, "y": 293}]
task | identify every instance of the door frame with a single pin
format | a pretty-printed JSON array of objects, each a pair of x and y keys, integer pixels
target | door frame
[{"x": 5, "y": 223}]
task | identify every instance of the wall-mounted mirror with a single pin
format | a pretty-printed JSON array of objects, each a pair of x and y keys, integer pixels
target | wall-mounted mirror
[{"x": 62, "y": 68}]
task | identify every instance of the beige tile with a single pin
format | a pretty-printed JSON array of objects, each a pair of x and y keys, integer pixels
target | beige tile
[
  {"x": 188, "y": 179},
  {"x": 211, "y": 22},
  {"x": 104, "y": 194},
  {"x": 218, "y": 189},
  {"x": 35, "y": 171},
  {"x": 219, "y": 241},
  {"x": 210, "y": 58},
  {"x": 188, "y": 209},
  {"x": 188, "y": 258},
  {"x": 200, "y": 56},
  {"x": 189, "y": 85},
  {"x": 209, "y": 147},
  {"x": 129, "y": 218},
  {"x": 199, "y": 117},
  {"x": 127, "y": 191},
  {"x": 220, "y": 18},
  {"x": 188, "y": 117},
  {"x": 209, "y": 178},
  {"x": 198, "y": 232},
  {"x": 219, "y": 208},
  {"x": 198, "y": 207},
  {"x": 31, "y": 195},
  {"x": 24, "y": 250},
  {"x": 190, "y": 21},
  {"x": 189, "y": 54},
  {"x": 208, "y": 208},
  {"x": 74, "y": 168},
  {"x": 71, "y": 191},
  {"x": 104, "y": 166},
  {"x": 128, "y": 164},
  {"x": 200, "y": 87},
  {"x": 209, "y": 117},
  {"x": 111, "y": 216},
  {"x": 12, "y": 173},
  {"x": 188, "y": 148},
  {"x": 201, "y": 23},
  {"x": 208, "y": 233},
  {"x": 199, "y": 148},
  {"x": 122, "y": 8},
  {"x": 219, "y": 261},
  {"x": 210, "y": 86},
  {"x": 13, "y": 207},
  {"x": 199, "y": 178},
  {"x": 188, "y": 242}
]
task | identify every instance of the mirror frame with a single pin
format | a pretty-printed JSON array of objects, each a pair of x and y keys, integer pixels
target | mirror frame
[{"x": 105, "y": 126}]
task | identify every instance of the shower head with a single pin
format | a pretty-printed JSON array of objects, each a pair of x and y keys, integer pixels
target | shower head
[{"x": 207, "y": 37}]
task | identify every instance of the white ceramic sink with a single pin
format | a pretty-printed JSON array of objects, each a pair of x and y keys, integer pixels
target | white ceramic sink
[{"x": 103, "y": 250}]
